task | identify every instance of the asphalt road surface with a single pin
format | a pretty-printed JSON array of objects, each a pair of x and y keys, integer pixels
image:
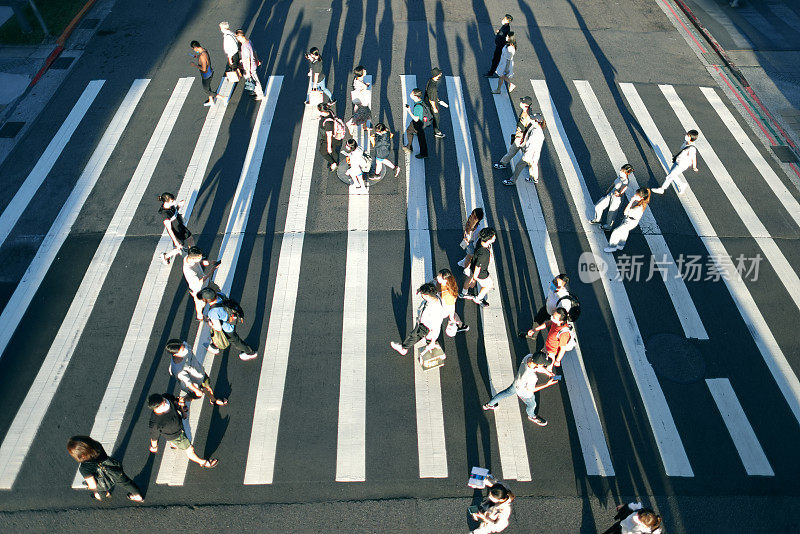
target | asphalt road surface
[{"x": 683, "y": 393}]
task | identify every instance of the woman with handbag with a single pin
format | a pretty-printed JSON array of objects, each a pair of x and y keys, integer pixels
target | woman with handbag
[
  {"x": 250, "y": 63},
  {"x": 101, "y": 473}
]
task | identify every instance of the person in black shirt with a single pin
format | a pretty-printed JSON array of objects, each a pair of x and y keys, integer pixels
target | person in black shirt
[
  {"x": 173, "y": 222},
  {"x": 479, "y": 268},
  {"x": 329, "y": 146},
  {"x": 432, "y": 99},
  {"x": 316, "y": 75},
  {"x": 499, "y": 43},
  {"x": 167, "y": 420},
  {"x": 101, "y": 473}
]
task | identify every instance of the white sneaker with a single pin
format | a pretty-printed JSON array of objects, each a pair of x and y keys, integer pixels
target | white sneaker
[
  {"x": 244, "y": 356},
  {"x": 467, "y": 271},
  {"x": 399, "y": 348},
  {"x": 658, "y": 190},
  {"x": 611, "y": 249},
  {"x": 212, "y": 349},
  {"x": 164, "y": 258}
]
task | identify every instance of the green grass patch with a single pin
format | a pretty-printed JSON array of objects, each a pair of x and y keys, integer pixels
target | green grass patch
[{"x": 56, "y": 14}]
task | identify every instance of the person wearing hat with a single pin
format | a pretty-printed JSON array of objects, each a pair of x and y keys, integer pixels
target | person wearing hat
[
  {"x": 432, "y": 99},
  {"x": 529, "y": 382},
  {"x": 190, "y": 373}
]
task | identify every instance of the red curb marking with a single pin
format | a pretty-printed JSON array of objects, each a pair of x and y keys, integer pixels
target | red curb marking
[
  {"x": 49, "y": 61},
  {"x": 691, "y": 34}
]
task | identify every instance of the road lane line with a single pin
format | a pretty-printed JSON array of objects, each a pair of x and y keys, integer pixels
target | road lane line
[
  {"x": 670, "y": 446},
  {"x": 351, "y": 437},
  {"x": 773, "y": 181},
  {"x": 431, "y": 446},
  {"x": 744, "y": 438},
  {"x": 676, "y": 286},
  {"x": 174, "y": 462},
  {"x": 272, "y": 379},
  {"x": 508, "y": 420},
  {"x": 111, "y": 413},
  {"x": 59, "y": 230},
  {"x": 786, "y": 274},
  {"x": 26, "y": 423},
  {"x": 596, "y": 455},
  {"x": 44, "y": 165},
  {"x": 767, "y": 344}
]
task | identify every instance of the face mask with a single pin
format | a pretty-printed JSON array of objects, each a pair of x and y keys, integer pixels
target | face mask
[{"x": 553, "y": 287}]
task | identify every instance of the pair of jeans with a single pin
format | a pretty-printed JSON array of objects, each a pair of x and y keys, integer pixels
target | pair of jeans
[
  {"x": 498, "y": 51},
  {"x": 416, "y": 128},
  {"x": 320, "y": 85},
  {"x": 531, "y": 404}
]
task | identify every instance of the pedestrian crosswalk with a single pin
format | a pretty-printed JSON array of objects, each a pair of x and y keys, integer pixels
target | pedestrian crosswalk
[{"x": 590, "y": 408}]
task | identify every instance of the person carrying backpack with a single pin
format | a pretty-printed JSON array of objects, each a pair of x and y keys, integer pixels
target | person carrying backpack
[
  {"x": 331, "y": 134},
  {"x": 223, "y": 314},
  {"x": 558, "y": 296},
  {"x": 560, "y": 337},
  {"x": 421, "y": 117}
]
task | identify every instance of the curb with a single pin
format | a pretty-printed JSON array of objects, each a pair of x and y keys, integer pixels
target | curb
[{"x": 723, "y": 55}]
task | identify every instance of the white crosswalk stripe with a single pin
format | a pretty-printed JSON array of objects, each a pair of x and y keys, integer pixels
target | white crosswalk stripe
[
  {"x": 44, "y": 165},
  {"x": 676, "y": 286},
  {"x": 174, "y": 463},
  {"x": 756, "y": 324},
  {"x": 432, "y": 449},
  {"x": 596, "y": 455},
  {"x": 508, "y": 421},
  {"x": 26, "y": 423},
  {"x": 673, "y": 454}
]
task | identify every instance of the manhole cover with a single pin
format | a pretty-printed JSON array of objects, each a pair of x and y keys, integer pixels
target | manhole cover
[
  {"x": 784, "y": 153},
  {"x": 11, "y": 129},
  {"x": 62, "y": 63},
  {"x": 673, "y": 357}
]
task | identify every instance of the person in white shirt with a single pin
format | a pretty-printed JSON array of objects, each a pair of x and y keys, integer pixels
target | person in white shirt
[
  {"x": 190, "y": 373},
  {"x": 360, "y": 96},
  {"x": 634, "y": 518},
  {"x": 250, "y": 63},
  {"x": 528, "y": 383},
  {"x": 494, "y": 512},
  {"x": 505, "y": 70},
  {"x": 197, "y": 269},
  {"x": 531, "y": 148},
  {"x": 557, "y": 297},
  {"x": 358, "y": 164},
  {"x": 613, "y": 198},
  {"x": 685, "y": 158},
  {"x": 231, "y": 46},
  {"x": 430, "y": 315},
  {"x": 632, "y": 215}
]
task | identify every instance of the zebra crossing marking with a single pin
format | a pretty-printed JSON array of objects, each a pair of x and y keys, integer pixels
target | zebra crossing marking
[
  {"x": 260, "y": 467},
  {"x": 26, "y": 423},
  {"x": 508, "y": 420},
  {"x": 431, "y": 444},
  {"x": 676, "y": 286},
  {"x": 174, "y": 462},
  {"x": 44, "y": 165},
  {"x": 670, "y": 446},
  {"x": 591, "y": 436},
  {"x": 351, "y": 434},
  {"x": 767, "y": 345}
]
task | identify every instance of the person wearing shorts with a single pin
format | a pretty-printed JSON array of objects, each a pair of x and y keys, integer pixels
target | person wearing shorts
[
  {"x": 206, "y": 72},
  {"x": 167, "y": 420}
]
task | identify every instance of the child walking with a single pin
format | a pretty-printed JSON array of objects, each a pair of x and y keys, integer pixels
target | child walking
[{"x": 381, "y": 141}]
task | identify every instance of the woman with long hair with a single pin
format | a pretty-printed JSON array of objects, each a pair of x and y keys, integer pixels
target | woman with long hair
[
  {"x": 468, "y": 240},
  {"x": 613, "y": 198},
  {"x": 317, "y": 77},
  {"x": 362, "y": 114},
  {"x": 531, "y": 148},
  {"x": 101, "y": 473},
  {"x": 632, "y": 215},
  {"x": 173, "y": 222},
  {"x": 505, "y": 70},
  {"x": 448, "y": 290}
]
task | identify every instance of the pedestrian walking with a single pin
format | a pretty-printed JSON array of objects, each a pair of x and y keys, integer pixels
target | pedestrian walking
[
  {"x": 685, "y": 158},
  {"x": 331, "y": 134},
  {"x": 381, "y": 141},
  {"x": 479, "y": 268},
  {"x": 500, "y": 43},
  {"x": 634, "y": 518},
  {"x": 531, "y": 147},
  {"x": 448, "y": 292},
  {"x": 203, "y": 64},
  {"x": 612, "y": 199},
  {"x": 523, "y": 123},
  {"x": 167, "y": 419},
  {"x": 431, "y": 98},
  {"x": 430, "y": 315},
  {"x": 469, "y": 239},
  {"x": 317, "y": 77},
  {"x": 532, "y": 377},
  {"x": 557, "y": 297},
  {"x": 632, "y": 215},
  {"x": 223, "y": 315},
  {"x": 360, "y": 98},
  {"x": 560, "y": 337},
  {"x": 494, "y": 512},
  {"x": 421, "y": 117},
  {"x": 505, "y": 70},
  {"x": 197, "y": 270},
  {"x": 231, "y": 47},
  {"x": 190, "y": 373},
  {"x": 173, "y": 222},
  {"x": 101, "y": 473},
  {"x": 250, "y": 64},
  {"x": 357, "y": 163}
]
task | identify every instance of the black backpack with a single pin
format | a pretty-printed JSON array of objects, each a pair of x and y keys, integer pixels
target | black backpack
[
  {"x": 575, "y": 306},
  {"x": 427, "y": 116},
  {"x": 231, "y": 307}
]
